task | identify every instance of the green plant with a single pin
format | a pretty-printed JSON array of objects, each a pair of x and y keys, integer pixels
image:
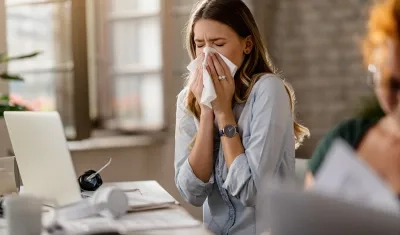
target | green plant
[{"x": 6, "y": 103}]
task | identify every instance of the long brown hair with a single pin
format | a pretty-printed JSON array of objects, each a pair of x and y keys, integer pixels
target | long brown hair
[{"x": 237, "y": 15}]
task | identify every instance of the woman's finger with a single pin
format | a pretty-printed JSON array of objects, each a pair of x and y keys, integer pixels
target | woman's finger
[
  {"x": 225, "y": 68},
  {"x": 213, "y": 73},
  {"x": 199, "y": 77},
  {"x": 215, "y": 80},
  {"x": 217, "y": 65}
]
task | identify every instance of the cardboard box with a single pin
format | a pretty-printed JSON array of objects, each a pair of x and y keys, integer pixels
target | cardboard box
[{"x": 10, "y": 179}]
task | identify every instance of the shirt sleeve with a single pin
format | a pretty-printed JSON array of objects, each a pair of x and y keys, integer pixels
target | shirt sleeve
[
  {"x": 192, "y": 189},
  {"x": 270, "y": 119}
]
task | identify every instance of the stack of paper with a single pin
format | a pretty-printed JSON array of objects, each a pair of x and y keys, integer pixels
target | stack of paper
[
  {"x": 148, "y": 195},
  {"x": 140, "y": 221},
  {"x": 344, "y": 175},
  {"x": 348, "y": 198},
  {"x": 140, "y": 202},
  {"x": 309, "y": 213},
  {"x": 145, "y": 195}
]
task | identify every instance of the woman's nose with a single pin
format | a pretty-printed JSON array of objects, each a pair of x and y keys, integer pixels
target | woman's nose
[{"x": 209, "y": 44}]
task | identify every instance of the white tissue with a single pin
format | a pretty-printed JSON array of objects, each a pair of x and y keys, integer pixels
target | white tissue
[{"x": 208, "y": 95}]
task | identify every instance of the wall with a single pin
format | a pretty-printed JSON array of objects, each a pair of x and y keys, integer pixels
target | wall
[{"x": 317, "y": 45}]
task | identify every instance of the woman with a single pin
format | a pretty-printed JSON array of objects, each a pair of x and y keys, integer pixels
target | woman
[
  {"x": 223, "y": 153},
  {"x": 376, "y": 140}
]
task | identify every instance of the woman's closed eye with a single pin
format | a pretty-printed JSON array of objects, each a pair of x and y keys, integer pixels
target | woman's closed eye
[{"x": 199, "y": 45}]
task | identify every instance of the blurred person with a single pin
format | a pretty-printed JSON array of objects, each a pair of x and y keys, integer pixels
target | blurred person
[
  {"x": 223, "y": 153},
  {"x": 376, "y": 138}
]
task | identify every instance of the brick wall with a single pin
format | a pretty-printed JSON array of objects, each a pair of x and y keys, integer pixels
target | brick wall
[{"x": 317, "y": 45}]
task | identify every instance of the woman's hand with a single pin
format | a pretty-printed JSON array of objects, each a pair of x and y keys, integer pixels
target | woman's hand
[
  {"x": 224, "y": 86},
  {"x": 196, "y": 86}
]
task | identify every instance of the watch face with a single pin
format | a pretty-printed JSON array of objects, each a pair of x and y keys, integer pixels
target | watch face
[{"x": 229, "y": 130}]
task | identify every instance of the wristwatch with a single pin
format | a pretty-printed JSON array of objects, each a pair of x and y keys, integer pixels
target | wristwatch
[{"x": 228, "y": 131}]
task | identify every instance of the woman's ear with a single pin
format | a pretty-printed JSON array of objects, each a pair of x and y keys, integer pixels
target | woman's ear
[{"x": 248, "y": 45}]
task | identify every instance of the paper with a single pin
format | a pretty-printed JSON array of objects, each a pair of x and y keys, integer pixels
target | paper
[
  {"x": 146, "y": 195},
  {"x": 346, "y": 176},
  {"x": 299, "y": 212},
  {"x": 8, "y": 183},
  {"x": 139, "y": 221},
  {"x": 139, "y": 201},
  {"x": 209, "y": 93}
]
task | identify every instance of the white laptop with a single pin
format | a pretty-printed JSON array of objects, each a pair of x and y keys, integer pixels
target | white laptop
[{"x": 42, "y": 155}]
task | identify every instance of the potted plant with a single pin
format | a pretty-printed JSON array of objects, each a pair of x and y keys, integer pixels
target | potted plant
[{"x": 7, "y": 102}]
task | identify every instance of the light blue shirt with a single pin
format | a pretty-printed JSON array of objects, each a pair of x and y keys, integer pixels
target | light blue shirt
[{"x": 265, "y": 125}]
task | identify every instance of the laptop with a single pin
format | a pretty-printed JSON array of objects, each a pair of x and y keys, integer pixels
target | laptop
[{"x": 42, "y": 155}]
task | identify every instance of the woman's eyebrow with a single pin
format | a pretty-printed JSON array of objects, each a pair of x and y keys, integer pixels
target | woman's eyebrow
[{"x": 210, "y": 39}]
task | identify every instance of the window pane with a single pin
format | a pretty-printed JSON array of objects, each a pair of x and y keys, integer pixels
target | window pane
[
  {"x": 39, "y": 27},
  {"x": 135, "y": 5},
  {"x": 139, "y": 102},
  {"x": 45, "y": 92},
  {"x": 137, "y": 42},
  {"x": 13, "y": 2},
  {"x": 48, "y": 77}
]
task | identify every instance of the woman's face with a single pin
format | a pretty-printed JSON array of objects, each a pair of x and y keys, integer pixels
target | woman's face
[
  {"x": 387, "y": 87},
  {"x": 222, "y": 38}
]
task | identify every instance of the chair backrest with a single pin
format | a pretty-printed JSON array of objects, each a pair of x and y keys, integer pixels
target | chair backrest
[{"x": 301, "y": 169}]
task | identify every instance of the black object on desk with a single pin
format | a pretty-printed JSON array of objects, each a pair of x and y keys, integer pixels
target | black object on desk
[
  {"x": 90, "y": 184},
  {"x": 1, "y": 206}
]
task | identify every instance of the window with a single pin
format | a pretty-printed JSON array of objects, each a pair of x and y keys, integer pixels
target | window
[
  {"x": 131, "y": 64},
  {"x": 54, "y": 80},
  {"x": 141, "y": 60}
]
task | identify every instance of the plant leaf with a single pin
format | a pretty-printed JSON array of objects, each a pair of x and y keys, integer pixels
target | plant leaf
[
  {"x": 4, "y": 58},
  {"x": 14, "y": 77},
  {"x": 6, "y": 107},
  {"x": 4, "y": 97}
]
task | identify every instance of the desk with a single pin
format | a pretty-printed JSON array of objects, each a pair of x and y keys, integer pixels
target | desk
[
  {"x": 154, "y": 189},
  {"x": 182, "y": 231}
]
